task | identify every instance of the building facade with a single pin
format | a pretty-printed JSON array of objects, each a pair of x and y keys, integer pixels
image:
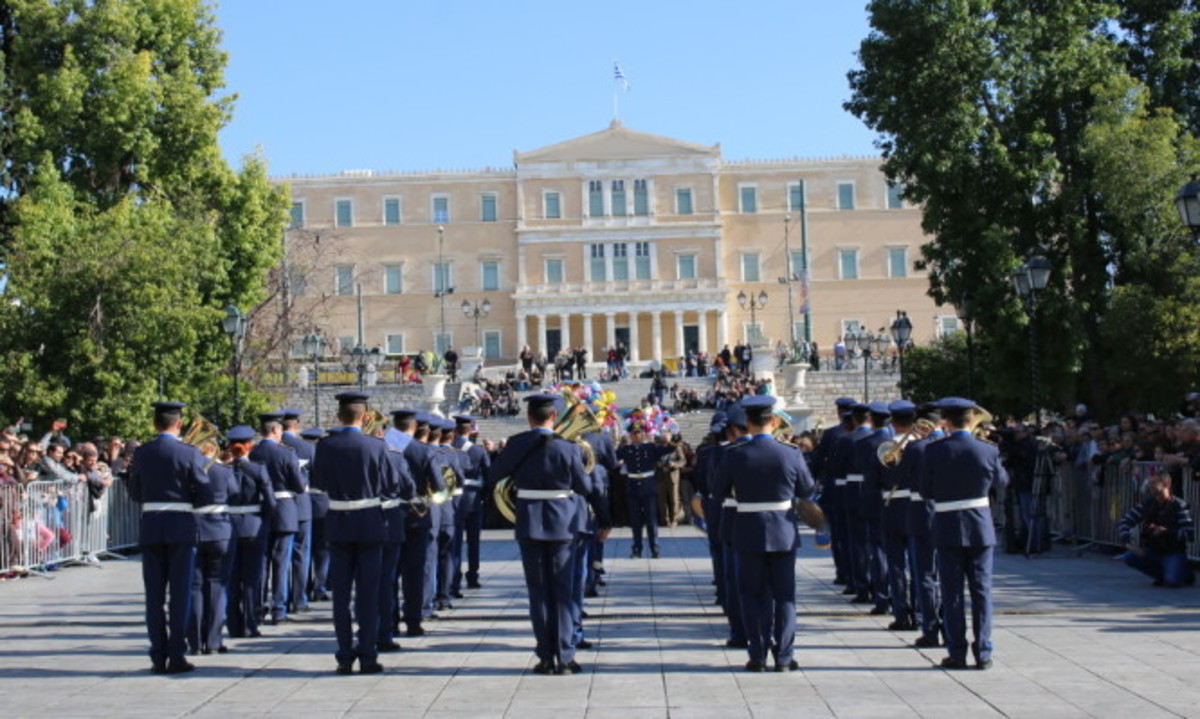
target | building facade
[{"x": 614, "y": 237}]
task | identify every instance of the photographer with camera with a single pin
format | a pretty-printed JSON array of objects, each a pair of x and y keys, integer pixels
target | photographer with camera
[{"x": 1166, "y": 529}]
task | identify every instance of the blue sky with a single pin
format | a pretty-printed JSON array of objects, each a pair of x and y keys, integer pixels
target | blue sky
[{"x": 396, "y": 84}]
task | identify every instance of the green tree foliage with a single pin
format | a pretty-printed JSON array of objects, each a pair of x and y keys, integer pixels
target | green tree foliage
[
  {"x": 123, "y": 230},
  {"x": 1020, "y": 125}
]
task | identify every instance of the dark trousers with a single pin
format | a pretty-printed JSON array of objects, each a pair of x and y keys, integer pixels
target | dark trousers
[
  {"x": 430, "y": 582},
  {"x": 167, "y": 570},
  {"x": 856, "y": 547},
  {"x": 925, "y": 579},
  {"x": 354, "y": 569},
  {"x": 1170, "y": 569},
  {"x": 767, "y": 585},
  {"x": 642, "y": 495},
  {"x": 470, "y": 534},
  {"x": 301, "y": 558},
  {"x": 874, "y": 552},
  {"x": 389, "y": 570},
  {"x": 840, "y": 544},
  {"x": 445, "y": 561},
  {"x": 579, "y": 572},
  {"x": 244, "y": 606},
  {"x": 280, "y": 572},
  {"x": 549, "y": 574},
  {"x": 418, "y": 535},
  {"x": 733, "y": 596},
  {"x": 974, "y": 564},
  {"x": 895, "y": 546},
  {"x": 319, "y": 579},
  {"x": 712, "y": 521},
  {"x": 209, "y": 579}
]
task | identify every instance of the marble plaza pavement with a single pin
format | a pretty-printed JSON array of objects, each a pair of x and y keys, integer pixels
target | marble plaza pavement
[{"x": 1075, "y": 636}]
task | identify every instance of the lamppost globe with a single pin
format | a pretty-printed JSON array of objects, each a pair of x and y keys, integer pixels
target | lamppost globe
[
  {"x": 1187, "y": 201},
  {"x": 1038, "y": 268},
  {"x": 741, "y": 299},
  {"x": 234, "y": 325},
  {"x": 466, "y": 308},
  {"x": 762, "y": 299}
]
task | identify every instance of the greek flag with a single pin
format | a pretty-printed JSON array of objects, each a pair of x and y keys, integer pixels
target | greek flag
[{"x": 619, "y": 76}]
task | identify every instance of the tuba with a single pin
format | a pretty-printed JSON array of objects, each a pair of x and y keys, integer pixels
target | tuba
[
  {"x": 373, "y": 423},
  {"x": 201, "y": 432},
  {"x": 783, "y": 425}
]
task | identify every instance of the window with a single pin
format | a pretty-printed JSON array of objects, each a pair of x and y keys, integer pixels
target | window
[
  {"x": 683, "y": 201},
  {"x": 598, "y": 273},
  {"x": 441, "y": 209},
  {"x": 487, "y": 207},
  {"x": 845, "y": 195},
  {"x": 642, "y": 260},
  {"x": 798, "y": 331},
  {"x": 750, "y": 267},
  {"x": 442, "y": 341},
  {"x": 895, "y": 196},
  {"x": 797, "y": 265},
  {"x": 685, "y": 267},
  {"x": 442, "y": 279},
  {"x": 748, "y": 198},
  {"x": 345, "y": 342},
  {"x": 850, "y": 327},
  {"x": 595, "y": 198},
  {"x": 393, "y": 279},
  {"x": 344, "y": 280},
  {"x": 618, "y": 198},
  {"x": 296, "y": 348},
  {"x": 620, "y": 262},
  {"x": 897, "y": 262},
  {"x": 796, "y": 197},
  {"x": 641, "y": 198},
  {"x": 848, "y": 264},
  {"x": 753, "y": 331},
  {"x": 391, "y": 210},
  {"x": 551, "y": 205},
  {"x": 394, "y": 344},
  {"x": 297, "y": 282},
  {"x": 554, "y": 272},
  {"x": 491, "y": 344},
  {"x": 297, "y": 214},
  {"x": 946, "y": 325},
  {"x": 343, "y": 213},
  {"x": 489, "y": 276}
]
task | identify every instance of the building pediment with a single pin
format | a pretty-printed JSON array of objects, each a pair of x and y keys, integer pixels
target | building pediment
[{"x": 616, "y": 142}]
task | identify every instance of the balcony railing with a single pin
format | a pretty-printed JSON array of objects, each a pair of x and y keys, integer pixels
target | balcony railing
[{"x": 700, "y": 283}]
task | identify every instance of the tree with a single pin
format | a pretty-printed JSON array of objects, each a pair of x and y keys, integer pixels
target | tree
[
  {"x": 1022, "y": 126},
  {"x": 123, "y": 231}
]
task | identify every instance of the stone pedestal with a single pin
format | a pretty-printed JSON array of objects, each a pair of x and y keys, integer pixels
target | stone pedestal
[
  {"x": 792, "y": 394},
  {"x": 762, "y": 360},
  {"x": 434, "y": 386},
  {"x": 470, "y": 359}
]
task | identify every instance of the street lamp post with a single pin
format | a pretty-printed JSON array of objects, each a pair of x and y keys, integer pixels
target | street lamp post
[
  {"x": 1030, "y": 279},
  {"x": 863, "y": 341},
  {"x": 441, "y": 289},
  {"x": 787, "y": 282},
  {"x": 358, "y": 359},
  {"x": 476, "y": 311},
  {"x": 901, "y": 334},
  {"x": 314, "y": 347},
  {"x": 234, "y": 325},
  {"x": 753, "y": 303}
]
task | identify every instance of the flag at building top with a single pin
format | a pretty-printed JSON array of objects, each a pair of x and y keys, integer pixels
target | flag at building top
[{"x": 619, "y": 76}]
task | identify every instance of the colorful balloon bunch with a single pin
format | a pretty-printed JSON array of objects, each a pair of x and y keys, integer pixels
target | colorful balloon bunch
[
  {"x": 654, "y": 420},
  {"x": 601, "y": 401}
]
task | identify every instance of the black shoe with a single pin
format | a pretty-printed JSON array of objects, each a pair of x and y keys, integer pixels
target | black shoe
[
  {"x": 456, "y": 594},
  {"x": 601, "y": 583},
  {"x": 375, "y": 668},
  {"x": 902, "y": 626},
  {"x": 158, "y": 669},
  {"x": 840, "y": 581},
  {"x": 756, "y": 667},
  {"x": 444, "y": 605},
  {"x": 584, "y": 615},
  {"x": 206, "y": 651},
  {"x": 222, "y": 649},
  {"x": 180, "y": 667},
  {"x": 878, "y": 610},
  {"x": 345, "y": 669},
  {"x": 737, "y": 643},
  {"x": 388, "y": 646},
  {"x": 417, "y": 631},
  {"x": 983, "y": 665},
  {"x": 848, "y": 591},
  {"x": 474, "y": 585},
  {"x": 543, "y": 667},
  {"x": 583, "y": 644},
  {"x": 654, "y": 554},
  {"x": 433, "y": 615},
  {"x": 926, "y": 641},
  {"x": 321, "y": 597},
  {"x": 571, "y": 667},
  {"x": 860, "y": 599},
  {"x": 254, "y": 634},
  {"x": 789, "y": 667},
  {"x": 591, "y": 594},
  {"x": 949, "y": 663},
  {"x": 635, "y": 553}
]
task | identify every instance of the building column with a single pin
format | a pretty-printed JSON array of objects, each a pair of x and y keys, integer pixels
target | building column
[
  {"x": 722, "y": 329},
  {"x": 610, "y": 329},
  {"x": 541, "y": 333},
  {"x": 565, "y": 322},
  {"x": 635, "y": 353},
  {"x": 656, "y": 335},
  {"x": 522, "y": 331},
  {"x": 702, "y": 316},
  {"x": 587, "y": 335},
  {"x": 679, "y": 351}
]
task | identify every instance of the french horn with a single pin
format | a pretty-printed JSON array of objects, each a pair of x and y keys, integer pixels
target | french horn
[{"x": 201, "y": 433}]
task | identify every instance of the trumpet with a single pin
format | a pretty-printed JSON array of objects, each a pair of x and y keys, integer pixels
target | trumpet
[{"x": 890, "y": 452}]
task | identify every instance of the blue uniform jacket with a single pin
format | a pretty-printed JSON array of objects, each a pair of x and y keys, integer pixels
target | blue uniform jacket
[
  {"x": 870, "y": 497},
  {"x": 254, "y": 490},
  {"x": 284, "y": 470},
  {"x": 763, "y": 469},
  {"x": 456, "y": 460},
  {"x": 305, "y": 451},
  {"x": 401, "y": 487},
  {"x": 538, "y": 460},
  {"x": 920, "y": 511},
  {"x": 167, "y": 470},
  {"x": 841, "y": 463},
  {"x": 216, "y": 526},
  {"x": 640, "y": 459},
  {"x": 961, "y": 467},
  {"x": 350, "y": 465}
]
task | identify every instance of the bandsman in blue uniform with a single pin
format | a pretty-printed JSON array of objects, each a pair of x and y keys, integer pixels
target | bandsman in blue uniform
[
  {"x": 846, "y": 481},
  {"x": 470, "y": 513},
  {"x": 958, "y": 473},
  {"x": 638, "y": 460},
  {"x": 766, "y": 476},
  {"x": 429, "y": 429},
  {"x": 893, "y": 485},
  {"x": 867, "y": 502},
  {"x": 302, "y": 545},
  {"x": 830, "y": 499},
  {"x": 420, "y": 515},
  {"x": 591, "y": 516},
  {"x": 448, "y": 528},
  {"x": 606, "y": 466},
  {"x": 355, "y": 472},
  {"x": 250, "y": 509},
  {"x": 168, "y": 480},
  {"x": 707, "y": 455},
  {"x": 395, "y": 499},
  {"x": 546, "y": 471},
  {"x": 735, "y": 432},
  {"x": 287, "y": 482},
  {"x": 920, "y": 531},
  {"x": 213, "y": 557},
  {"x": 318, "y": 581}
]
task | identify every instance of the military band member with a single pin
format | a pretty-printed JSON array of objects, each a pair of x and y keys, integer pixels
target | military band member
[
  {"x": 250, "y": 510},
  {"x": 215, "y": 534},
  {"x": 919, "y": 525},
  {"x": 865, "y": 497},
  {"x": 283, "y": 468},
  {"x": 831, "y": 492},
  {"x": 546, "y": 471},
  {"x": 449, "y": 526},
  {"x": 606, "y": 466},
  {"x": 302, "y": 544},
  {"x": 355, "y": 472},
  {"x": 958, "y": 473},
  {"x": 893, "y": 485},
  {"x": 471, "y": 510},
  {"x": 419, "y": 527},
  {"x": 586, "y": 527},
  {"x": 168, "y": 481},
  {"x": 735, "y": 432},
  {"x": 846, "y": 480},
  {"x": 766, "y": 476},
  {"x": 394, "y": 499},
  {"x": 638, "y": 460},
  {"x": 701, "y": 482},
  {"x": 318, "y": 582}
]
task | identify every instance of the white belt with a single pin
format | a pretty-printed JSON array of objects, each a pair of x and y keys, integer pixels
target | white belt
[
  {"x": 246, "y": 509},
  {"x": 211, "y": 509},
  {"x": 915, "y": 496},
  {"x": 346, "y": 505},
  {"x": 839, "y": 483},
  {"x": 641, "y": 475},
  {"x": 764, "y": 506},
  {"x": 314, "y": 490},
  {"x": 390, "y": 503},
  {"x": 958, "y": 504},
  {"x": 898, "y": 494},
  {"x": 543, "y": 494},
  {"x": 167, "y": 507},
  {"x": 472, "y": 482},
  {"x": 729, "y": 502},
  {"x": 284, "y": 495},
  {"x": 458, "y": 492},
  {"x": 854, "y": 478}
]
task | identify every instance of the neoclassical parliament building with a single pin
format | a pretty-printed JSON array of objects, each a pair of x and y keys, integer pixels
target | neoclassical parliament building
[{"x": 614, "y": 237}]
